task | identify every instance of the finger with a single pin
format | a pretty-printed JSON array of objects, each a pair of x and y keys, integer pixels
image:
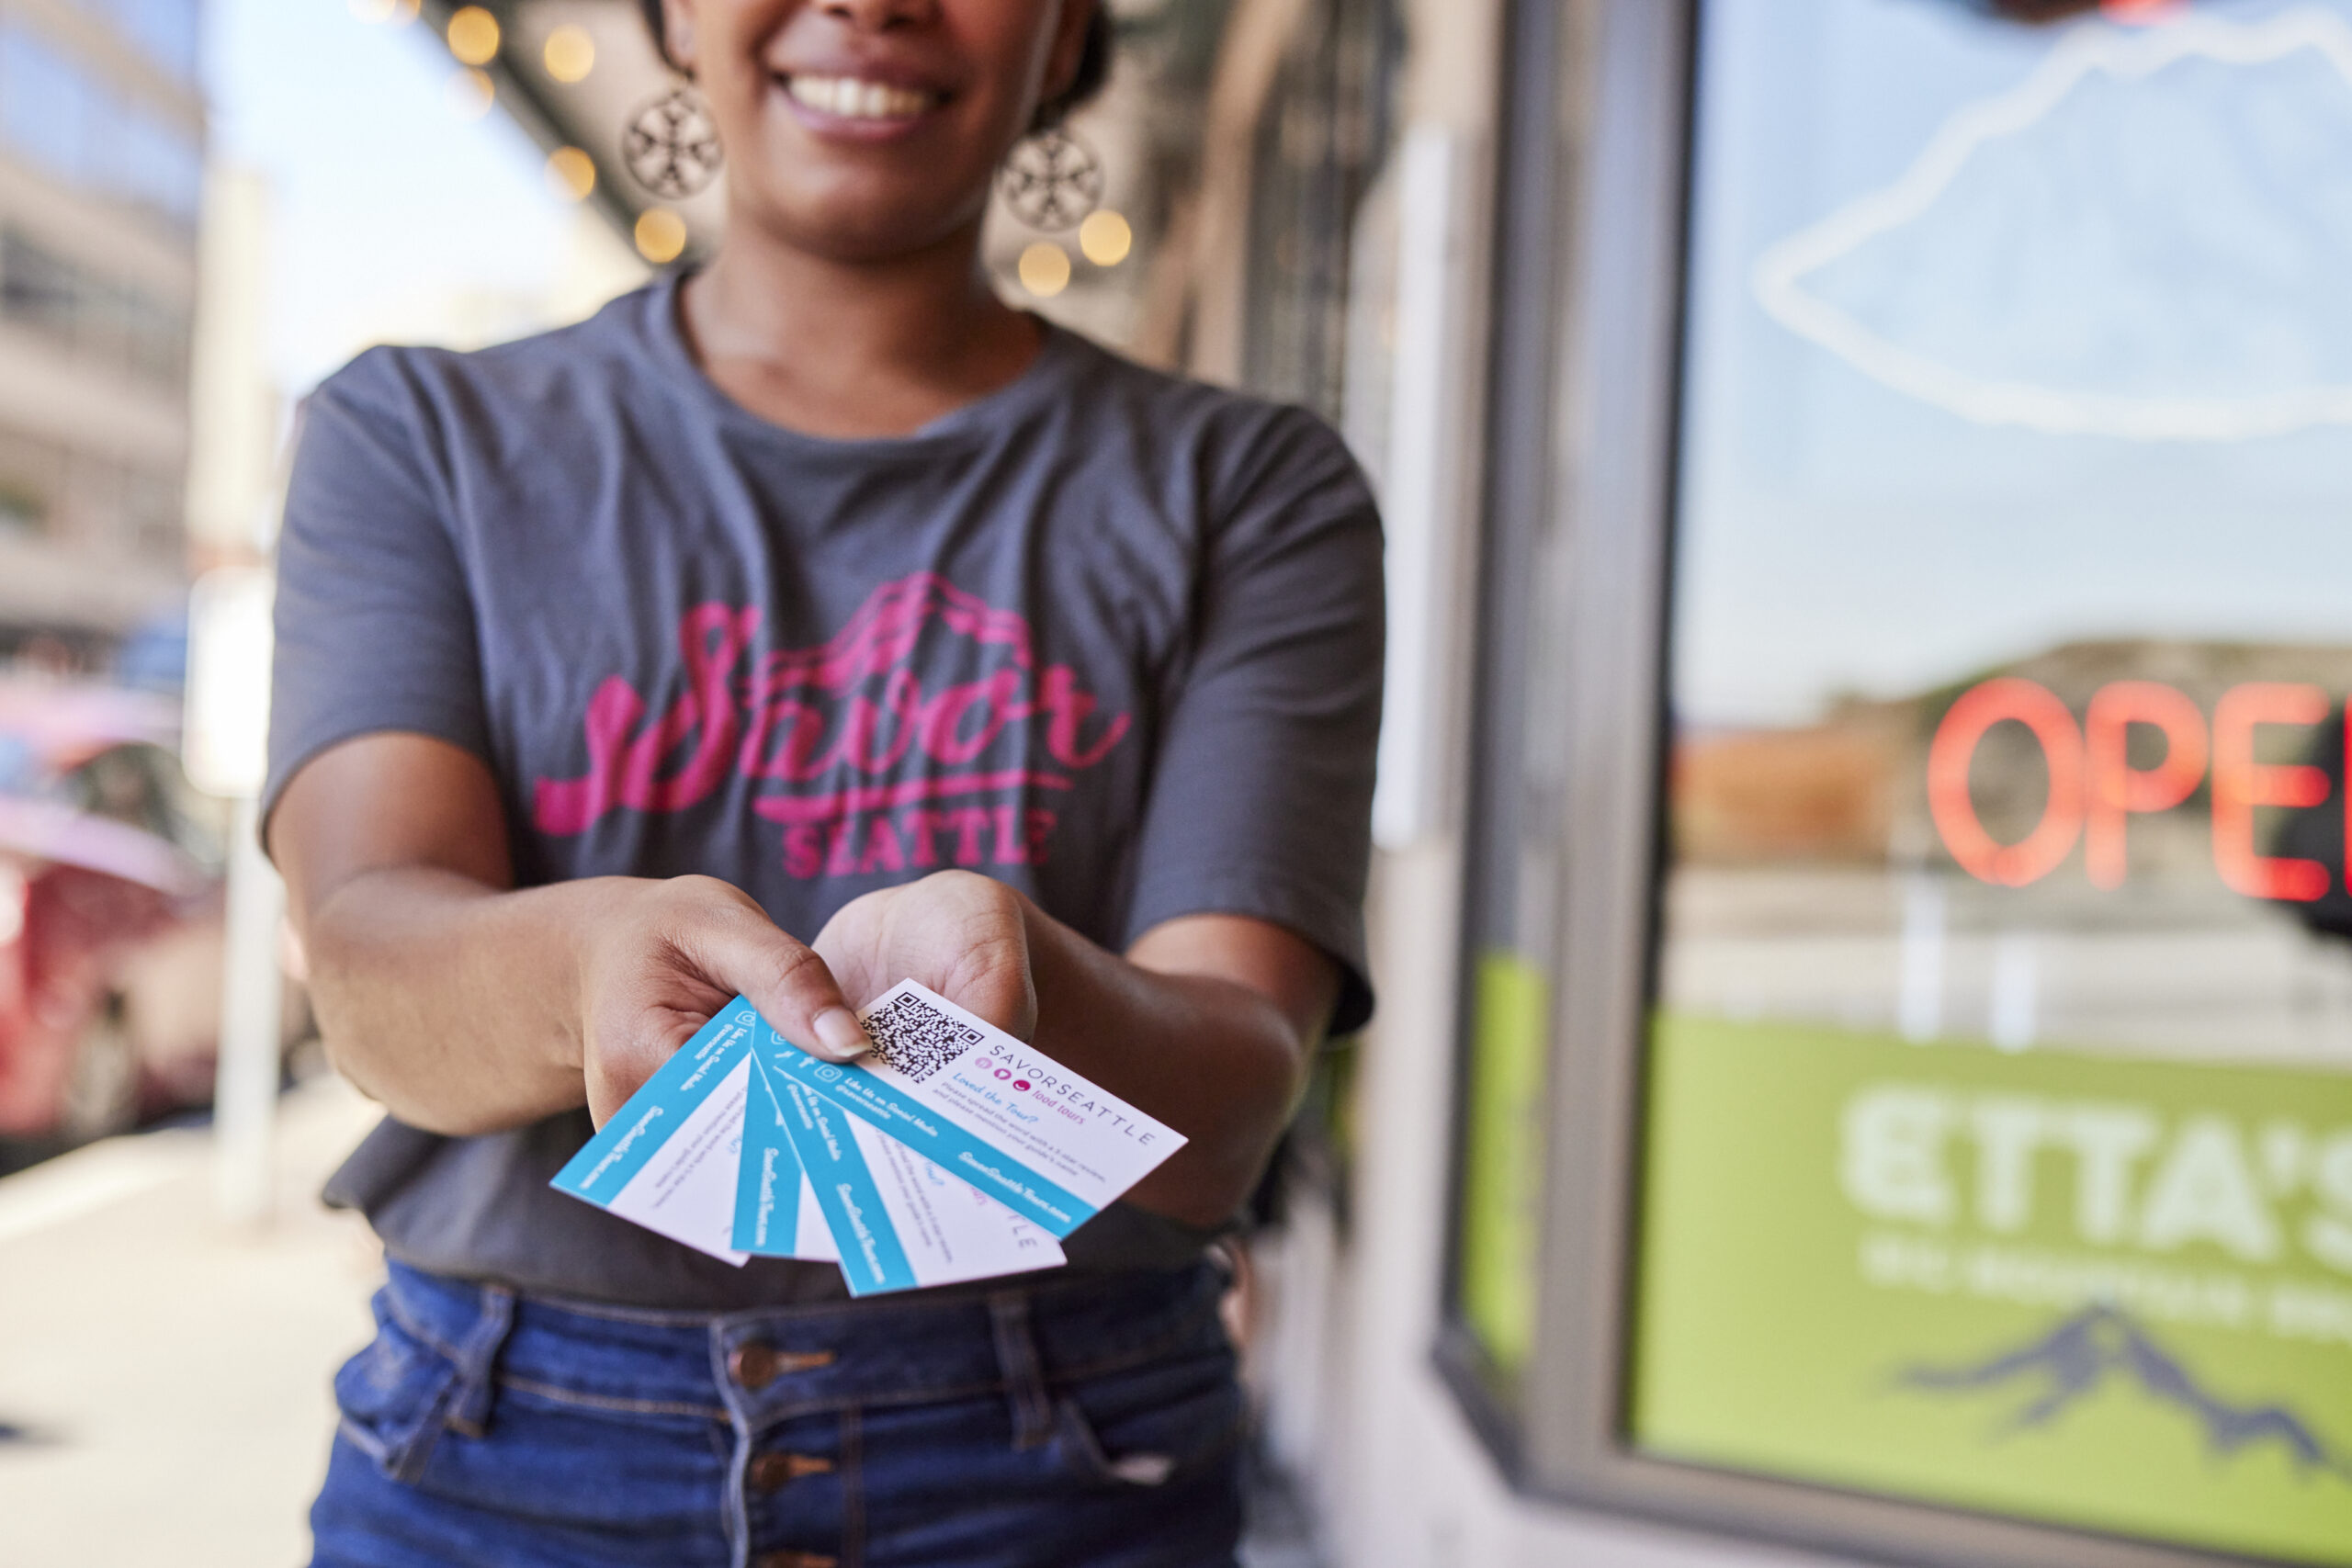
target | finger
[{"x": 788, "y": 982}]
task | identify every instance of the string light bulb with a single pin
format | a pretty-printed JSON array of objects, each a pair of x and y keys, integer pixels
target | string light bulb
[
  {"x": 469, "y": 93},
  {"x": 661, "y": 235},
  {"x": 1045, "y": 269},
  {"x": 569, "y": 54},
  {"x": 473, "y": 36},
  {"x": 1105, "y": 238},
  {"x": 572, "y": 174}
]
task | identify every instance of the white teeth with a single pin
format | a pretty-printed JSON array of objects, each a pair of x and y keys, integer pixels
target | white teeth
[{"x": 847, "y": 97}]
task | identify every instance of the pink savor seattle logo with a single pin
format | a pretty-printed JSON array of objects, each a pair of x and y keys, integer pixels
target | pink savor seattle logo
[{"x": 865, "y": 767}]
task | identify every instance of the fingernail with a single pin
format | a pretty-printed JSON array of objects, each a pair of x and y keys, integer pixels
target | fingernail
[{"x": 838, "y": 1033}]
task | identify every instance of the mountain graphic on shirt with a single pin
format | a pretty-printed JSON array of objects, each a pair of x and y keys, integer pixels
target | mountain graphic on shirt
[{"x": 2102, "y": 1345}]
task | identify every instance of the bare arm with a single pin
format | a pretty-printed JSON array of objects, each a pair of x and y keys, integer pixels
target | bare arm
[
  {"x": 1237, "y": 1008},
  {"x": 1208, "y": 1022},
  {"x": 466, "y": 1006}
]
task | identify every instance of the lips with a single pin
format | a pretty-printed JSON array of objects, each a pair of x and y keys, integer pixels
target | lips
[{"x": 860, "y": 98}]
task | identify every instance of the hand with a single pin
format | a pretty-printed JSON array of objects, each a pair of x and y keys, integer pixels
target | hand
[
  {"x": 661, "y": 957},
  {"x": 964, "y": 935}
]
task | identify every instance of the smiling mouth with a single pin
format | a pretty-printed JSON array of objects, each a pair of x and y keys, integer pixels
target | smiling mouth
[{"x": 852, "y": 97}]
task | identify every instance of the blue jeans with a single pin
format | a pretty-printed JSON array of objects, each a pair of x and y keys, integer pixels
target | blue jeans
[{"x": 1093, "y": 1421}]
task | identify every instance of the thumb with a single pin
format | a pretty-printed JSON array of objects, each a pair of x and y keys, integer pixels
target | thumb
[{"x": 793, "y": 989}]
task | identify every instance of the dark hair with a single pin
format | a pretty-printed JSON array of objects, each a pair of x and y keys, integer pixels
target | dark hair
[{"x": 1093, "y": 62}]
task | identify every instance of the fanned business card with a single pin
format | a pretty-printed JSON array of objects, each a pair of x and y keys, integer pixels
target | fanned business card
[
  {"x": 776, "y": 1207},
  {"x": 1016, "y": 1125},
  {"x": 953, "y": 1152},
  {"x": 898, "y": 1220},
  {"x": 669, "y": 1159}
]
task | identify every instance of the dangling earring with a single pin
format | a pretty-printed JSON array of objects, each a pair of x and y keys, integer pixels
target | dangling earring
[
  {"x": 1051, "y": 180},
  {"x": 671, "y": 145}
]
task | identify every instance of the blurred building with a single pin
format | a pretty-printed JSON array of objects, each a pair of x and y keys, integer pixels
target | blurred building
[{"x": 101, "y": 179}]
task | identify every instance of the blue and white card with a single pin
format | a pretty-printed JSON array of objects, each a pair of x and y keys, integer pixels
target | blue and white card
[
  {"x": 898, "y": 1220},
  {"x": 1018, "y": 1126},
  {"x": 775, "y": 1208},
  {"x": 952, "y": 1153},
  {"x": 668, "y": 1159}
]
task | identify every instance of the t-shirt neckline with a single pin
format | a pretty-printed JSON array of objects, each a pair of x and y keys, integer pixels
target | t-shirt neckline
[{"x": 665, "y": 335}]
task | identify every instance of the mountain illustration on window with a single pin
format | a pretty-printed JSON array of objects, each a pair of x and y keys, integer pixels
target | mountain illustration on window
[
  {"x": 2142, "y": 239},
  {"x": 2083, "y": 1353}
]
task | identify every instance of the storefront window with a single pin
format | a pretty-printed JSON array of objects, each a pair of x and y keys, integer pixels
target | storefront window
[{"x": 1999, "y": 1126}]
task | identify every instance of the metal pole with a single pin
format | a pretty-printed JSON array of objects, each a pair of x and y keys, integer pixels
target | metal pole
[{"x": 244, "y": 1096}]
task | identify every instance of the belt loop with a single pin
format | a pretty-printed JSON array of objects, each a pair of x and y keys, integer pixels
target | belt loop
[
  {"x": 478, "y": 1363},
  {"x": 1025, "y": 1379}
]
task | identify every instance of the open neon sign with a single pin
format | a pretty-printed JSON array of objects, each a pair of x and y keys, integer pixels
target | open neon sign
[{"x": 2095, "y": 791}]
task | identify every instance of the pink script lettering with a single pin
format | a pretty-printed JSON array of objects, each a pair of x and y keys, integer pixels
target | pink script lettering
[{"x": 848, "y": 712}]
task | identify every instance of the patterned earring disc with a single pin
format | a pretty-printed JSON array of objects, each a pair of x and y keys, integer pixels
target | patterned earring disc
[
  {"x": 1051, "y": 180},
  {"x": 670, "y": 146}
]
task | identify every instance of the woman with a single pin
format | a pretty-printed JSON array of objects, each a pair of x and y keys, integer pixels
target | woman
[{"x": 807, "y": 623}]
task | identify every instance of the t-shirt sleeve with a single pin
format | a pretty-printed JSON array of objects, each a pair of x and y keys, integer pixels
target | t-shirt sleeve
[
  {"x": 375, "y": 625},
  {"x": 1261, "y": 800}
]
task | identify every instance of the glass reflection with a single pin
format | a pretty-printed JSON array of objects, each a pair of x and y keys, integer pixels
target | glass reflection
[
  {"x": 2012, "y": 567},
  {"x": 2000, "y": 1138}
]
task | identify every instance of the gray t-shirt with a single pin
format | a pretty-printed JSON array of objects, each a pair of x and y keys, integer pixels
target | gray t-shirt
[{"x": 1108, "y": 635}]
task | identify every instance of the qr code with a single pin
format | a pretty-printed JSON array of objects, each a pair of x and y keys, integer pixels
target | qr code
[{"x": 917, "y": 1038}]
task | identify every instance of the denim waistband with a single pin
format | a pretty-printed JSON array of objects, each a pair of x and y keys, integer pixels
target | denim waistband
[{"x": 767, "y": 1364}]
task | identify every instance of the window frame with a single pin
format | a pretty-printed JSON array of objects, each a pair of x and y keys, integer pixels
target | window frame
[
  {"x": 1529, "y": 254},
  {"x": 1590, "y": 288}
]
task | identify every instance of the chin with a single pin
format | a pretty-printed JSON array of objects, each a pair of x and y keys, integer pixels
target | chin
[{"x": 864, "y": 225}]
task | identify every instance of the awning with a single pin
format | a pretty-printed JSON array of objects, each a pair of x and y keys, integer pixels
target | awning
[{"x": 594, "y": 112}]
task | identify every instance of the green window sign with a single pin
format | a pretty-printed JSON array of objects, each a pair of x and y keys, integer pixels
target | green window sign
[
  {"x": 1996, "y": 1141},
  {"x": 2098, "y": 1291},
  {"x": 1503, "y": 1160}
]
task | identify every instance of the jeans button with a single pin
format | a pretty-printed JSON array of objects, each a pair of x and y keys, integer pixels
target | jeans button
[
  {"x": 755, "y": 1365},
  {"x": 752, "y": 1365},
  {"x": 769, "y": 1472}
]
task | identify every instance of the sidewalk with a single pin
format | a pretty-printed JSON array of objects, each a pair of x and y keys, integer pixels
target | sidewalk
[{"x": 163, "y": 1379}]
